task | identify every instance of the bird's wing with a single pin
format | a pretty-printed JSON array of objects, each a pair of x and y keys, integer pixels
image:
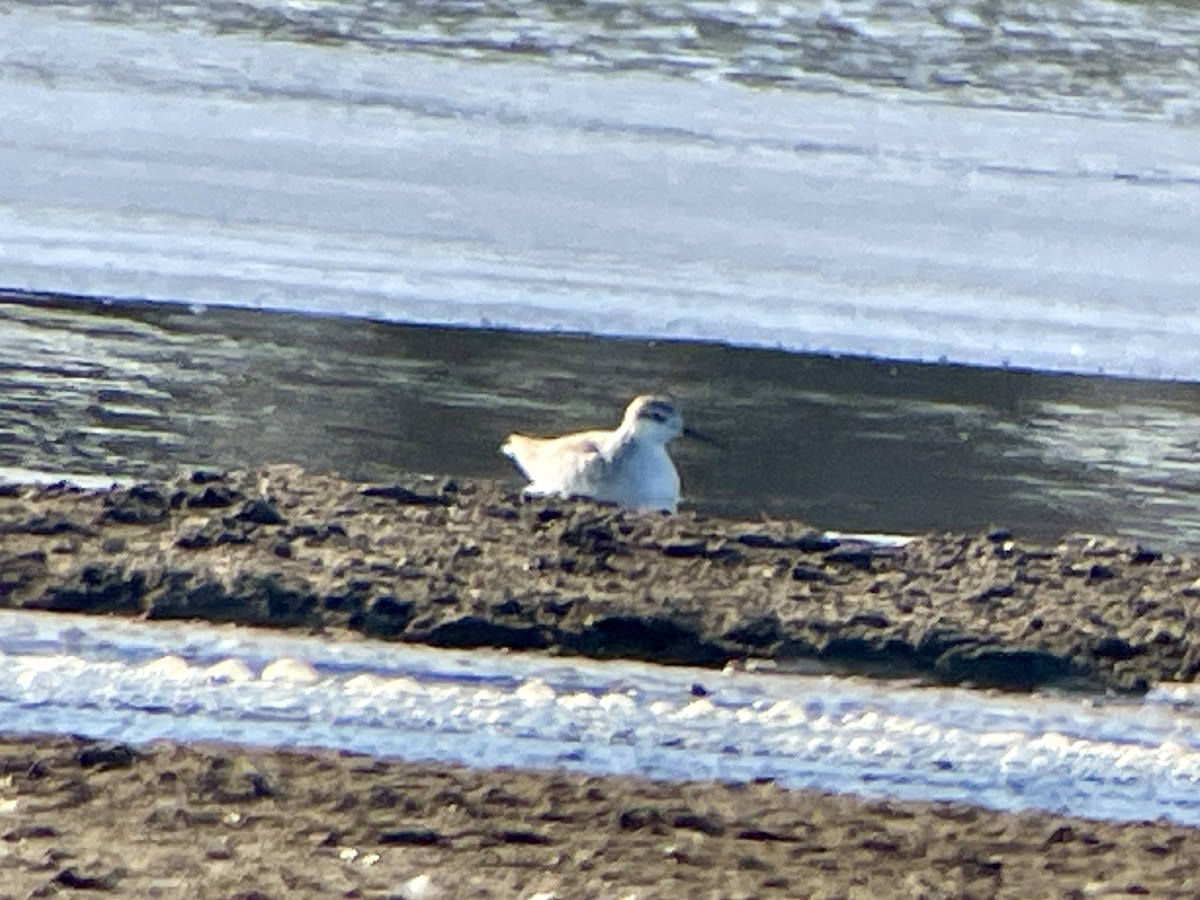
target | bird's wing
[{"x": 568, "y": 463}]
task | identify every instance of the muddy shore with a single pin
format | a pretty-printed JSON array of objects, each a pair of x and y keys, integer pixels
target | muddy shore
[
  {"x": 466, "y": 565},
  {"x": 86, "y": 819},
  {"x": 474, "y": 564}
]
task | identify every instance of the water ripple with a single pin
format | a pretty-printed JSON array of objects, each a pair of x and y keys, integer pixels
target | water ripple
[{"x": 1095, "y": 58}]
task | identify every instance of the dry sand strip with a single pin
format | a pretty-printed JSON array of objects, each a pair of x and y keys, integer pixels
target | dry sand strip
[
  {"x": 86, "y": 819},
  {"x": 473, "y": 564}
]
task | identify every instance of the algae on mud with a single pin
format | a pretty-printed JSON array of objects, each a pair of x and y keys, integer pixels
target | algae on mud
[{"x": 475, "y": 564}]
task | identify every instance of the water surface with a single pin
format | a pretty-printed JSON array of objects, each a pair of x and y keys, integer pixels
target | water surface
[
  {"x": 1097, "y": 57},
  {"x": 273, "y": 156},
  {"x": 138, "y": 390}
]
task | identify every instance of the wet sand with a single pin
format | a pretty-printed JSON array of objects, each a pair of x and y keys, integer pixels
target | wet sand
[
  {"x": 473, "y": 564},
  {"x": 87, "y": 819}
]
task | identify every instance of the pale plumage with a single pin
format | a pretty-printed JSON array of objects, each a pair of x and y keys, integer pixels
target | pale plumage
[{"x": 629, "y": 466}]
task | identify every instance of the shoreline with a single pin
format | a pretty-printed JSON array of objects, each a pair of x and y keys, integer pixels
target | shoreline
[
  {"x": 463, "y": 565},
  {"x": 473, "y": 564}
]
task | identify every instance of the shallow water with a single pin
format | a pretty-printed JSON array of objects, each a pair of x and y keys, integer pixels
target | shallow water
[
  {"x": 1082, "y": 57},
  {"x": 134, "y": 391},
  {"x": 139, "y": 682},
  {"x": 293, "y": 156}
]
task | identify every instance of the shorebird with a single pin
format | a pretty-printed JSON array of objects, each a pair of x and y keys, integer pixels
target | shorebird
[{"x": 629, "y": 465}]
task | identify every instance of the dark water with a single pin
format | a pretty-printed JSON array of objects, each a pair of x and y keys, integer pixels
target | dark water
[{"x": 140, "y": 389}]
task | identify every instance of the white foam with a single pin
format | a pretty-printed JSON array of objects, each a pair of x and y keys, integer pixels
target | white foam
[
  {"x": 18, "y": 475},
  {"x": 1117, "y": 760},
  {"x": 229, "y": 670},
  {"x": 172, "y": 667},
  {"x": 294, "y": 671},
  {"x": 535, "y": 692}
]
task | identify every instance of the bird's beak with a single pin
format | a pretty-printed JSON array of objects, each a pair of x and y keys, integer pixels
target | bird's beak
[{"x": 701, "y": 437}]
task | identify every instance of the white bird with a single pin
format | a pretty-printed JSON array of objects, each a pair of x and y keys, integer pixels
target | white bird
[{"x": 629, "y": 466}]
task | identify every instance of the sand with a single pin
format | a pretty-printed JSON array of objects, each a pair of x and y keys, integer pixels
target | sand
[{"x": 89, "y": 819}]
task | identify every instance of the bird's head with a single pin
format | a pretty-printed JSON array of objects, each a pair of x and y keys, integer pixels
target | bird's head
[{"x": 654, "y": 417}]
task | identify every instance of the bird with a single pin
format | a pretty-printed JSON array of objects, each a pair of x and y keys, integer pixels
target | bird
[{"x": 628, "y": 466}]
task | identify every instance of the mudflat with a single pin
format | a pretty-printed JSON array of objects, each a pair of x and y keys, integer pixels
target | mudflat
[
  {"x": 83, "y": 819},
  {"x": 474, "y": 564}
]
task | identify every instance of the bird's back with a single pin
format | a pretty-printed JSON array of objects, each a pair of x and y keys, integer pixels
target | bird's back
[{"x": 561, "y": 465}]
